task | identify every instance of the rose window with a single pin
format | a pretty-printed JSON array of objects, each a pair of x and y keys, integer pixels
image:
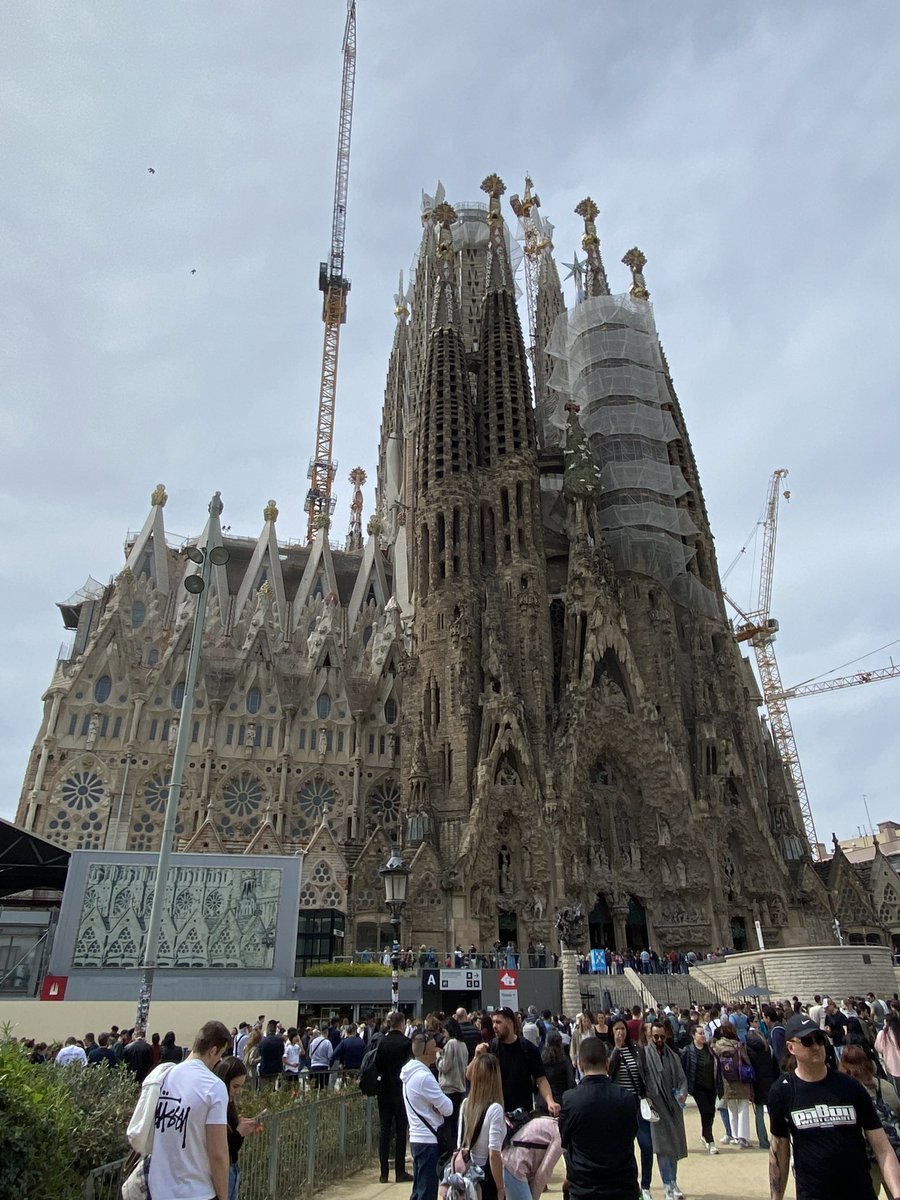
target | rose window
[
  {"x": 243, "y": 794},
  {"x": 60, "y": 824},
  {"x": 316, "y": 799},
  {"x": 82, "y": 790},
  {"x": 184, "y": 902},
  {"x": 321, "y": 873},
  {"x": 143, "y": 832},
  {"x": 156, "y": 794},
  {"x": 332, "y": 898},
  {"x": 384, "y": 805}
]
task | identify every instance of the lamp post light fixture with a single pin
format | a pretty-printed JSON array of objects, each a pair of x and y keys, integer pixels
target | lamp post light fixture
[
  {"x": 197, "y": 585},
  {"x": 395, "y": 876}
]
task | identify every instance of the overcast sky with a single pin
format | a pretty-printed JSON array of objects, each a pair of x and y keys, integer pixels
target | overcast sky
[{"x": 751, "y": 150}]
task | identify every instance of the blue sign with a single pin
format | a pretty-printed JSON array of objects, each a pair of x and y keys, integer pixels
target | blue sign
[{"x": 598, "y": 961}]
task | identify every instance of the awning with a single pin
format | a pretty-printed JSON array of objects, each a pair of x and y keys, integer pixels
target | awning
[{"x": 27, "y": 861}]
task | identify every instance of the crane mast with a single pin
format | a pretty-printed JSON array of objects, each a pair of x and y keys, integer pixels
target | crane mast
[
  {"x": 335, "y": 287},
  {"x": 536, "y": 242}
]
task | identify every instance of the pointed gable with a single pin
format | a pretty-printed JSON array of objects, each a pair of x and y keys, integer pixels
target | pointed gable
[
  {"x": 264, "y": 568},
  {"x": 319, "y": 577},
  {"x": 205, "y": 841},
  {"x": 147, "y": 558},
  {"x": 371, "y": 584}
]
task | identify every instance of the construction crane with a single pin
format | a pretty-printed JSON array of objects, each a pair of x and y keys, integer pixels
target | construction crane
[
  {"x": 334, "y": 285},
  {"x": 759, "y": 628},
  {"x": 537, "y": 239}
]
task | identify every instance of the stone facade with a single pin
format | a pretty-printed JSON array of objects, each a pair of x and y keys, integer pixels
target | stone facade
[{"x": 525, "y": 678}]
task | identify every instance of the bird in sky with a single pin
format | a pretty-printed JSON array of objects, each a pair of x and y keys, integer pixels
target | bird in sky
[
  {"x": 151, "y": 170},
  {"x": 193, "y": 270}
]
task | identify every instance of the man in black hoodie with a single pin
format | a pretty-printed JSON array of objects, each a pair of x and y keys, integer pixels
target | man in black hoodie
[{"x": 394, "y": 1050}]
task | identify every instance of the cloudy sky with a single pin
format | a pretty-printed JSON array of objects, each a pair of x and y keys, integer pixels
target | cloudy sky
[{"x": 751, "y": 150}]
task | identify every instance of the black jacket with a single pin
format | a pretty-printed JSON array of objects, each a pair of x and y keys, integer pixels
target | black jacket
[
  {"x": 394, "y": 1050},
  {"x": 765, "y": 1069},
  {"x": 598, "y": 1123},
  {"x": 689, "y": 1062}
]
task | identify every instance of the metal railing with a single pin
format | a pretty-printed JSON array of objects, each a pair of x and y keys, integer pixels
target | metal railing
[{"x": 299, "y": 1149}]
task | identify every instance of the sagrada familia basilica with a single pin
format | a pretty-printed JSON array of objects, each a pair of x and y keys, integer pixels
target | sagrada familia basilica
[{"x": 523, "y": 676}]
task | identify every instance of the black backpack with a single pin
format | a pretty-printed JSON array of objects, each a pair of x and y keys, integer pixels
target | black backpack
[{"x": 369, "y": 1076}]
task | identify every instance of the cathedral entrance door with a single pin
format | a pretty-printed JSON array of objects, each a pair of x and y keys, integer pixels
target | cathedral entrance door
[
  {"x": 739, "y": 933},
  {"x": 508, "y": 929},
  {"x": 636, "y": 925},
  {"x": 601, "y": 930}
]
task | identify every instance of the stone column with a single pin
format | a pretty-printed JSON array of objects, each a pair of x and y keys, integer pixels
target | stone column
[{"x": 571, "y": 992}]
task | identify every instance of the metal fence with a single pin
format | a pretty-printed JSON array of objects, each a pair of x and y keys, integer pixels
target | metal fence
[{"x": 300, "y": 1149}]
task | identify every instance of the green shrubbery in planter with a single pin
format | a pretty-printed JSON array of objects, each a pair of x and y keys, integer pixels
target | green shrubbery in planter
[{"x": 346, "y": 969}]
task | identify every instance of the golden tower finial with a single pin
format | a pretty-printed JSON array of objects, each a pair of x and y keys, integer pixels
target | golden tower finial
[
  {"x": 158, "y": 496},
  {"x": 587, "y": 209},
  {"x": 270, "y": 512},
  {"x": 444, "y": 214},
  {"x": 636, "y": 260},
  {"x": 494, "y": 186}
]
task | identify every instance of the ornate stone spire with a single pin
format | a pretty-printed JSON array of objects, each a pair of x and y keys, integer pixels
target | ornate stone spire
[
  {"x": 401, "y": 303},
  {"x": 596, "y": 284},
  {"x": 635, "y": 260},
  {"x": 446, "y": 309}
]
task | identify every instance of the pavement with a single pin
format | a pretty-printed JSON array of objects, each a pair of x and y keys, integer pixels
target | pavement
[{"x": 732, "y": 1174}]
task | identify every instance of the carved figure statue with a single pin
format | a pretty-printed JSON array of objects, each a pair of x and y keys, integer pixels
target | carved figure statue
[{"x": 571, "y": 926}]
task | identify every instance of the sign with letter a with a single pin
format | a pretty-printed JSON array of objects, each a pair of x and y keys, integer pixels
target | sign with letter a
[
  {"x": 509, "y": 987},
  {"x": 431, "y": 981}
]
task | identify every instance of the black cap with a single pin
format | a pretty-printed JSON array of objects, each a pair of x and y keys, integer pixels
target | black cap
[{"x": 799, "y": 1026}]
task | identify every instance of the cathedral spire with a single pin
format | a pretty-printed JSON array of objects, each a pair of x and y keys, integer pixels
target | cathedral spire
[
  {"x": 636, "y": 260},
  {"x": 446, "y": 308},
  {"x": 596, "y": 283},
  {"x": 505, "y": 413}
]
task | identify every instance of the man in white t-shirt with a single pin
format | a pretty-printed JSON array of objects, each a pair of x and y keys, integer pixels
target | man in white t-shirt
[
  {"x": 71, "y": 1055},
  {"x": 190, "y": 1144}
]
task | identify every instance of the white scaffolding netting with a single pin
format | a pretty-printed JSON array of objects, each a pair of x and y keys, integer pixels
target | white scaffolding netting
[{"x": 606, "y": 360}]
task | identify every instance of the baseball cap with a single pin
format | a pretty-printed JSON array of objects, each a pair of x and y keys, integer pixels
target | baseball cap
[{"x": 799, "y": 1026}]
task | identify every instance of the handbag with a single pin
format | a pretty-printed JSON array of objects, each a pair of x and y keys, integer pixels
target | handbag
[
  {"x": 143, "y": 1119},
  {"x": 648, "y": 1112},
  {"x": 136, "y": 1185}
]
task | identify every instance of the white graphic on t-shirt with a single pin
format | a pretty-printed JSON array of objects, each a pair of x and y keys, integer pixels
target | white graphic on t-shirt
[{"x": 824, "y": 1116}]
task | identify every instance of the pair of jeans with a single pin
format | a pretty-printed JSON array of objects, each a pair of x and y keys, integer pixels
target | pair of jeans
[
  {"x": 706, "y": 1106},
  {"x": 234, "y": 1178},
  {"x": 668, "y": 1169},
  {"x": 762, "y": 1134},
  {"x": 645, "y": 1144},
  {"x": 516, "y": 1189},
  {"x": 392, "y": 1120},
  {"x": 425, "y": 1172}
]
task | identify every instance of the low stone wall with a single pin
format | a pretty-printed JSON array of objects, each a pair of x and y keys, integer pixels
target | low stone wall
[{"x": 807, "y": 970}]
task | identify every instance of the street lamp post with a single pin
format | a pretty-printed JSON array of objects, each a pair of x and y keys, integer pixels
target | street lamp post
[
  {"x": 197, "y": 585},
  {"x": 395, "y": 875}
]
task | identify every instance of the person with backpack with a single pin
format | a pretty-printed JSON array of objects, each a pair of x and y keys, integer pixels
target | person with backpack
[
  {"x": 737, "y": 1077},
  {"x": 482, "y": 1125},
  {"x": 533, "y": 1028}
]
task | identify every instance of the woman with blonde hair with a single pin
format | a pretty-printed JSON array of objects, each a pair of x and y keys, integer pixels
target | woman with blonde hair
[
  {"x": 482, "y": 1125},
  {"x": 583, "y": 1027}
]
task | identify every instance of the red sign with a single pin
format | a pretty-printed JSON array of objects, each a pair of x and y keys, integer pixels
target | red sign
[
  {"x": 54, "y": 987},
  {"x": 508, "y": 981}
]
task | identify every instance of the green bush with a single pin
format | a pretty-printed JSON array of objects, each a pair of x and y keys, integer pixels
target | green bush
[
  {"x": 349, "y": 969},
  {"x": 58, "y": 1123}
]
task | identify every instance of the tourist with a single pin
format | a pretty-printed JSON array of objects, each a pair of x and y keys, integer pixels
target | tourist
[
  {"x": 451, "y": 1067},
  {"x": 666, "y": 1091},
  {"x": 858, "y": 1065},
  {"x": 765, "y": 1072},
  {"x": 319, "y": 1053},
  {"x": 520, "y": 1065},
  {"x": 233, "y": 1074},
  {"x": 138, "y": 1057},
  {"x": 626, "y": 1068},
  {"x": 271, "y": 1054},
  {"x": 393, "y": 1052},
  {"x": 103, "y": 1053},
  {"x": 700, "y": 1072},
  {"x": 558, "y": 1068},
  {"x": 468, "y": 1031},
  {"x": 350, "y": 1050},
  {"x": 426, "y": 1109},
  {"x": 583, "y": 1027},
  {"x": 482, "y": 1126},
  {"x": 733, "y": 1061},
  {"x": 887, "y": 1043},
  {"x": 836, "y": 1027},
  {"x": 597, "y": 1128},
  {"x": 826, "y": 1118},
  {"x": 190, "y": 1144},
  {"x": 71, "y": 1055}
]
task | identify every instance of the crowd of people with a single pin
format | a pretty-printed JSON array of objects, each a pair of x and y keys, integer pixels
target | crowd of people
[{"x": 496, "y": 1097}]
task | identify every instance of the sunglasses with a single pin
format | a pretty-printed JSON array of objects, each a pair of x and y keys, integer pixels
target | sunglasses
[{"x": 812, "y": 1039}]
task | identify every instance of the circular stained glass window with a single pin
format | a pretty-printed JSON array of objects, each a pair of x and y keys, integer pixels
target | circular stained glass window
[
  {"x": 156, "y": 793},
  {"x": 332, "y": 897},
  {"x": 321, "y": 873},
  {"x": 60, "y": 823},
  {"x": 384, "y": 804},
  {"x": 82, "y": 790},
  {"x": 316, "y": 799},
  {"x": 243, "y": 794}
]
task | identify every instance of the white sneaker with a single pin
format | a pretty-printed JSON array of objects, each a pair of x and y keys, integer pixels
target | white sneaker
[
  {"x": 727, "y": 1140},
  {"x": 743, "y": 1143},
  {"x": 677, "y": 1193},
  {"x": 646, "y": 1194},
  {"x": 712, "y": 1147}
]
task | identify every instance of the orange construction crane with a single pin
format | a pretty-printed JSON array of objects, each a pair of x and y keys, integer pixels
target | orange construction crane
[
  {"x": 335, "y": 286},
  {"x": 759, "y": 629}
]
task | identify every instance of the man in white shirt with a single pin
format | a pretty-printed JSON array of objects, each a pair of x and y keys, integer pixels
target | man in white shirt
[
  {"x": 190, "y": 1144},
  {"x": 71, "y": 1054},
  {"x": 426, "y": 1107}
]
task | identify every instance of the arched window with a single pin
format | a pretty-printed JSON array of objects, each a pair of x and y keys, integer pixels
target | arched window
[
  {"x": 367, "y": 635},
  {"x": 102, "y": 688},
  {"x": 178, "y": 694},
  {"x": 323, "y": 705},
  {"x": 390, "y": 710},
  {"x": 254, "y": 700},
  {"x": 138, "y": 612}
]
